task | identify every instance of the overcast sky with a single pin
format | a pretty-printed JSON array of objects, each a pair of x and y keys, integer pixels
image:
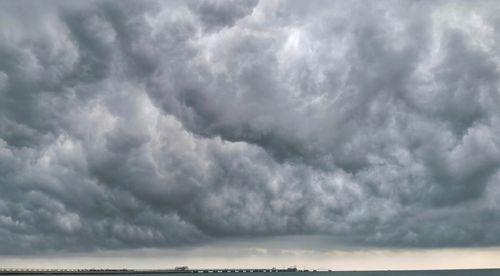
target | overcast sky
[{"x": 262, "y": 126}]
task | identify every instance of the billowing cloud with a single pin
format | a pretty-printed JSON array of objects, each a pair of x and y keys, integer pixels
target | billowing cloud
[{"x": 163, "y": 124}]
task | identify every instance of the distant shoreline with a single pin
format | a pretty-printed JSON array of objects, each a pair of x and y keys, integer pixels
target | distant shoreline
[
  {"x": 173, "y": 271},
  {"x": 145, "y": 271}
]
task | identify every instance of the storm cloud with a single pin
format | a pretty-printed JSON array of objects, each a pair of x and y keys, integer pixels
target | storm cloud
[{"x": 127, "y": 124}]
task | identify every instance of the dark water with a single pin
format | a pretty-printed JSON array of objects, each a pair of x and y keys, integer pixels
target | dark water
[
  {"x": 472, "y": 272},
  {"x": 482, "y": 272},
  {"x": 488, "y": 272},
  {"x": 485, "y": 272}
]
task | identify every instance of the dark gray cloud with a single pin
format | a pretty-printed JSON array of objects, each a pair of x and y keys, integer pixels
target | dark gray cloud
[{"x": 163, "y": 124}]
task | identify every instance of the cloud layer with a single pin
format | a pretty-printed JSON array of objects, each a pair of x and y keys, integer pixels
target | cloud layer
[{"x": 163, "y": 124}]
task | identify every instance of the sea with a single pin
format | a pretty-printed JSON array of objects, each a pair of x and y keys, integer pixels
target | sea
[{"x": 467, "y": 272}]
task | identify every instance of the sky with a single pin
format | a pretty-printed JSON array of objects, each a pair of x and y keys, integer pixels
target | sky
[{"x": 322, "y": 134}]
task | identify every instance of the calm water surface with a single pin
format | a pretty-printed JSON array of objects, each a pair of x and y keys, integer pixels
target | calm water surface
[{"x": 482, "y": 272}]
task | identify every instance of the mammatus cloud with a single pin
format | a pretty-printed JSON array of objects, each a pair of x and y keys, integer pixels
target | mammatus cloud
[{"x": 162, "y": 124}]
